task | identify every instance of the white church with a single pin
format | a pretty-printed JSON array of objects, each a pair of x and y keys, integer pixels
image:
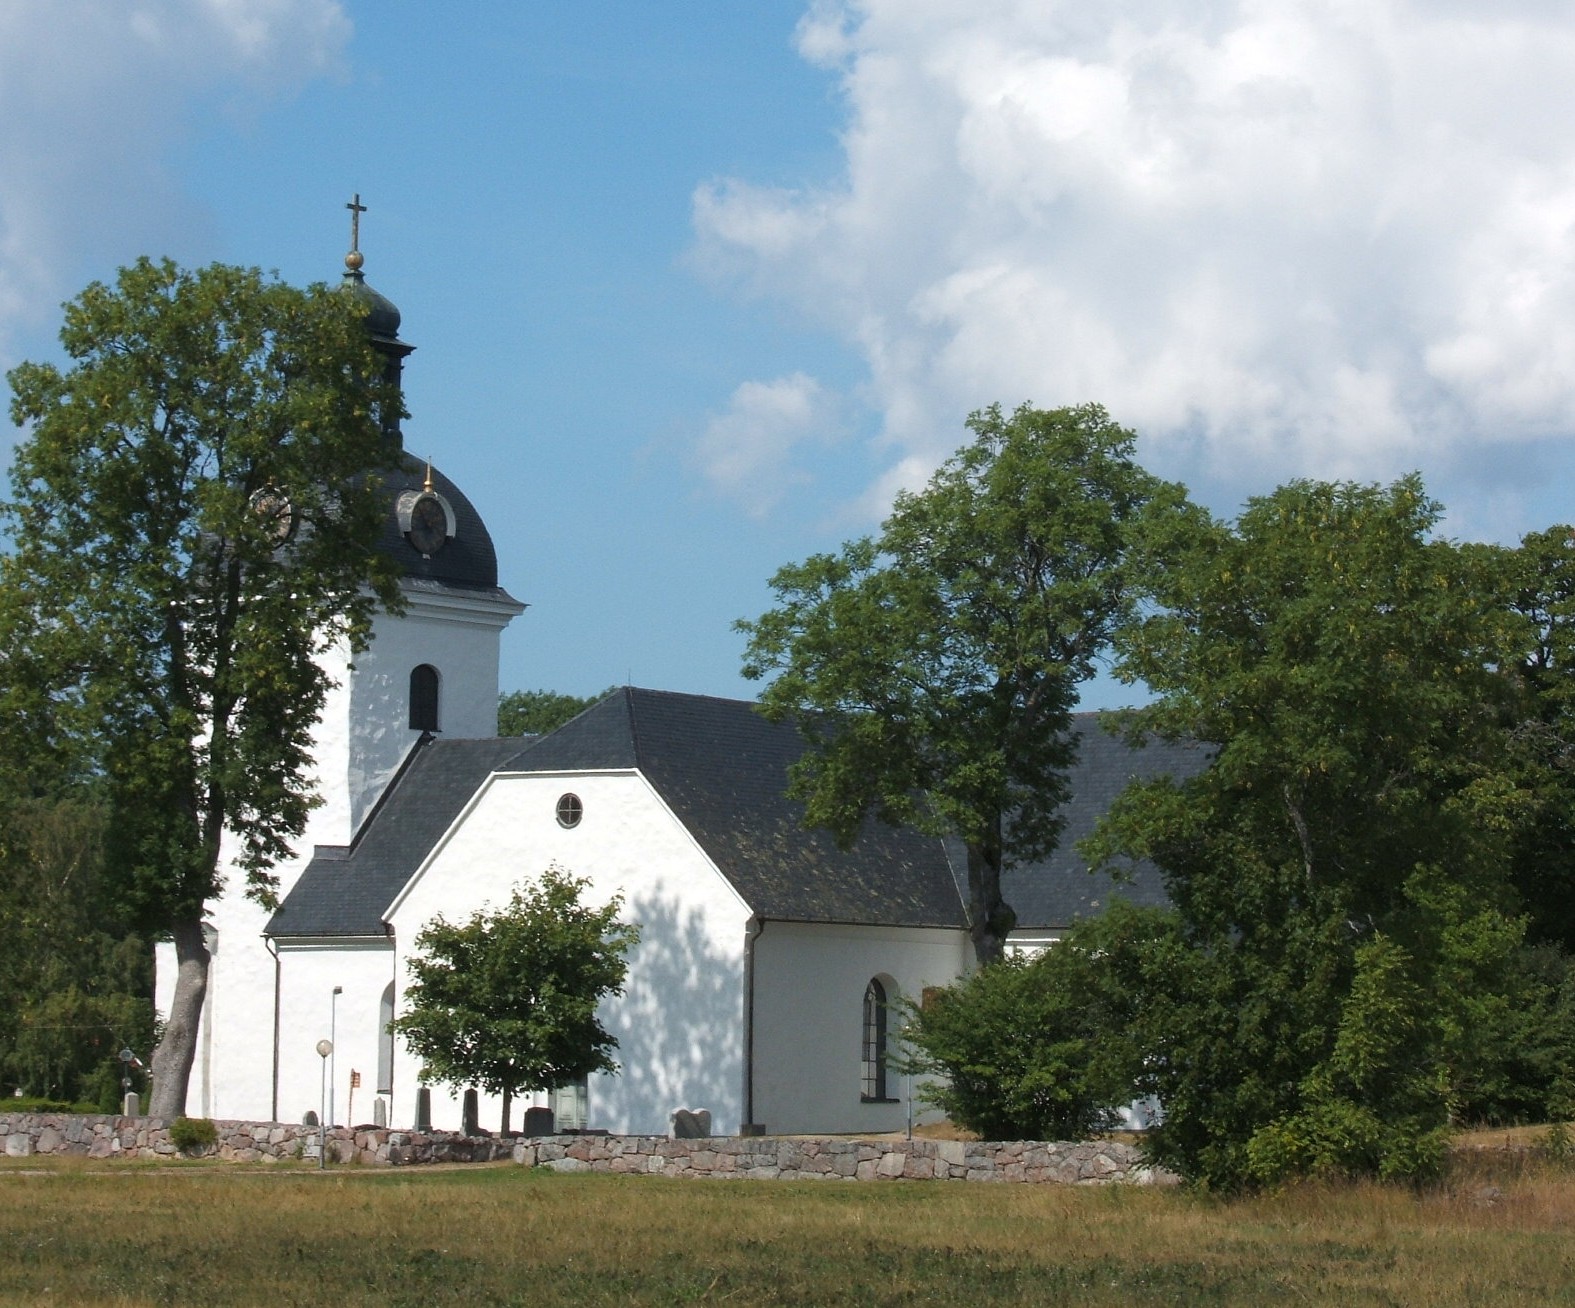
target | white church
[{"x": 765, "y": 982}]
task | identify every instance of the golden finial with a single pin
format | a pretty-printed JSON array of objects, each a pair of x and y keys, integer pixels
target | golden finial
[
  {"x": 427, "y": 486},
  {"x": 355, "y": 258}
]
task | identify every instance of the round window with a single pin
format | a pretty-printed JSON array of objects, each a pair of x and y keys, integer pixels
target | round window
[{"x": 570, "y": 811}]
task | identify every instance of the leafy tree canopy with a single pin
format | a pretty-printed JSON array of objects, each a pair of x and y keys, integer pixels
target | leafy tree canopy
[
  {"x": 191, "y": 525},
  {"x": 1541, "y": 588},
  {"x": 507, "y": 999},
  {"x": 75, "y": 986},
  {"x": 536, "y": 712},
  {"x": 934, "y": 669},
  {"x": 1346, "y": 854}
]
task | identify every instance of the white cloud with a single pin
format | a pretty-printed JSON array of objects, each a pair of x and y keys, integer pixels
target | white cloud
[
  {"x": 747, "y": 450},
  {"x": 1276, "y": 236},
  {"x": 94, "y": 97}
]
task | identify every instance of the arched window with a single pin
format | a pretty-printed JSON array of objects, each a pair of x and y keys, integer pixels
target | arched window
[
  {"x": 874, "y": 1052},
  {"x": 385, "y": 1042},
  {"x": 424, "y": 698}
]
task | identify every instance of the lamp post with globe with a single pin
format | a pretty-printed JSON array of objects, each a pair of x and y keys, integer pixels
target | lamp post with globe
[{"x": 324, "y": 1049}]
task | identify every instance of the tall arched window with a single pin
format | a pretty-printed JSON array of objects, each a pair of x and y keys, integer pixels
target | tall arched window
[
  {"x": 424, "y": 698},
  {"x": 874, "y": 1051},
  {"x": 385, "y": 1042}
]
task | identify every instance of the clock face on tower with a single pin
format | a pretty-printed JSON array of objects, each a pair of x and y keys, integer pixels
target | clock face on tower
[
  {"x": 425, "y": 519},
  {"x": 428, "y": 530}
]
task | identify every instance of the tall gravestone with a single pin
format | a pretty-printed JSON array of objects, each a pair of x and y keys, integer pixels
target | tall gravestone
[
  {"x": 472, "y": 1115},
  {"x": 424, "y": 1109}
]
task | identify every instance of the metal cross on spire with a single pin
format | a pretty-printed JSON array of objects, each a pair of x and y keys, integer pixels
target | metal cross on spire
[{"x": 356, "y": 210}]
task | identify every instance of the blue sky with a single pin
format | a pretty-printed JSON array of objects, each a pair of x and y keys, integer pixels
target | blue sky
[{"x": 695, "y": 286}]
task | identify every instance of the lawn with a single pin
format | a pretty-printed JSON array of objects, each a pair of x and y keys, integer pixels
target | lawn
[{"x": 1501, "y": 1232}]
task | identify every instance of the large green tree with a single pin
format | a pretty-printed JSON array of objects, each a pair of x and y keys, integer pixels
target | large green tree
[
  {"x": 191, "y": 527},
  {"x": 934, "y": 669},
  {"x": 1346, "y": 974},
  {"x": 1541, "y": 588},
  {"x": 506, "y": 1000}
]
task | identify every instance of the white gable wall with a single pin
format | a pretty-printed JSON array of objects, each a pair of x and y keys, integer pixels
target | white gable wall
[
  {"x": 679, "y": 1024},
  {"x": 810, "y": 981}
]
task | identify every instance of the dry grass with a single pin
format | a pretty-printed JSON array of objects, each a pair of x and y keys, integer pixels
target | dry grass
[{"x": 123, "y": 1234}]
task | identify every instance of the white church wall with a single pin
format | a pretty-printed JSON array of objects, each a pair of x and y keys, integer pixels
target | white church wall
[
  {"x": 456, "y": 634},
  {"x": 810, "y": 981},
  {"x": 309, "y": 1011},
  {"x": 679, "y": 1023}
]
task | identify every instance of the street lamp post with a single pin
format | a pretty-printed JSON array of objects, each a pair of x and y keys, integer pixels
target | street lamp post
[
  {"x": 324, "y": 1049},
  {"x": 333, "y": 1037}
]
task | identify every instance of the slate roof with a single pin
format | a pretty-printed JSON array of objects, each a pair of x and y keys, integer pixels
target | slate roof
[
  {"x": 345, "y": 889},
  {"x": 722, "y": 769},
  {"x": 1058, "y": 891}
]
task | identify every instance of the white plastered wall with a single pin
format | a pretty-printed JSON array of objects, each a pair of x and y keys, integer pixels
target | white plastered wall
[
  {"x": 810, "y": 981},
  {"x": 679, "y": 1023},
  {"x": 455, "y": 633},
  {"x": 308, "y": 1013}
]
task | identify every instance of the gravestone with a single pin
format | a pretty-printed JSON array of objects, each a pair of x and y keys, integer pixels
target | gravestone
[
  {"x": 691, "y": 1123},
  {"x": 380, "y": 1112},
  {"x": 309, "y": 1118},
  {"x": 424, "y": 1110},
  {"x": 538, "y": 1121},
  {"x": 470, "y": 1118},
  {"x": 131, "y": 1106}
]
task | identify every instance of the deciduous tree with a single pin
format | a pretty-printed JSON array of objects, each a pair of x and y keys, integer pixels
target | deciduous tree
[
  {"x": 506, "y": 1000},
  {"x": 934, "y": 669},
  {"x": 1344, "y": 976},
  {"x": 536, "y": 712},
  {"x": 191, "y": 527}
]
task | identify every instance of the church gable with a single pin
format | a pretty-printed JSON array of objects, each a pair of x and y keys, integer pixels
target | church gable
[
  {"x": 722, "y": 769},
  {"x": 345, "y": 889}
]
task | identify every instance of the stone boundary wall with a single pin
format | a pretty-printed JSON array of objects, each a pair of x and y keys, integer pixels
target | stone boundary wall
[
  {"x": 754, "y": 1158},
  {"x": 796, "y": 1158},
  {"x": 24, "y": 1134}
]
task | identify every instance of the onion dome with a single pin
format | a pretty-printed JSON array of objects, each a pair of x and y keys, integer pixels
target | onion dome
[
  {"x": 460, "y": 555},
  {"x": 382, "y": 317}
]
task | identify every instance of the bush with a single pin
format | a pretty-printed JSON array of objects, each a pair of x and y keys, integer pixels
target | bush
[
  {"x": 37, "y": 1104},
  {"x": 1044, "y": 1048},
  {"x": 188, "y": 1133}
]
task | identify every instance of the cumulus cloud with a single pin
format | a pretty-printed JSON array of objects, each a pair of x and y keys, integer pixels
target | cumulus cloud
[
  {"x": 1328, "y": 237},
  {"x": 95, "y": 94},
  {"x": 748, "y": 450}
]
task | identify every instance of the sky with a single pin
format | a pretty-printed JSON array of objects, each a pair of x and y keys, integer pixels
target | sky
[{"x": 697, "y": 286}]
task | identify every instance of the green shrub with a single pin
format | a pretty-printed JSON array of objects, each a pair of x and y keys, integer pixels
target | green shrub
[
  {"x": 39, "y": 1104},
  {"x": 188, "y": 1133},
  {"x": 1045, "y": 1048}
]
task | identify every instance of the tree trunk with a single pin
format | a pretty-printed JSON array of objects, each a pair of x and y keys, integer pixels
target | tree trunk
[
  {"x": 508, "y": 1104},
  {"x": 990, "y": 920},
  {"x": 177, "y": 1051}
]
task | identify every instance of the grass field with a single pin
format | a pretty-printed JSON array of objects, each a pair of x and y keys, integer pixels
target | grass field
[{"x": 1502, "y": 1231}]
